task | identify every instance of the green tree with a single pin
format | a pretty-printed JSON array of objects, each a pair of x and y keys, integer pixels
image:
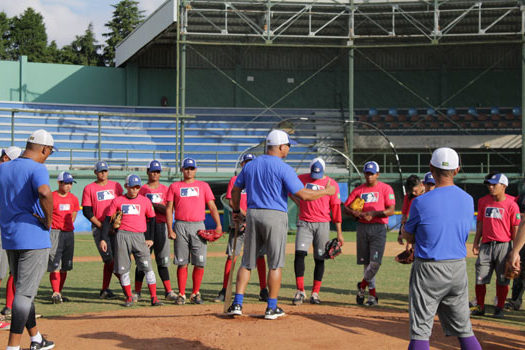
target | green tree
[
  {"x": 4, "y": 35},
  {"x": 27, "y": 36},
  {"x": 83, "y": 50},
  {"x": 126, "y": 17}
]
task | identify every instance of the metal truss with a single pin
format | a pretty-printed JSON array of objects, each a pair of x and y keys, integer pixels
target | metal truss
[{"x": 352, "y": 22}]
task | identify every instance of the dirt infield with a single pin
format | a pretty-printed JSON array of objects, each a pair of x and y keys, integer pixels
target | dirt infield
[{"x": 204, "y": 327}]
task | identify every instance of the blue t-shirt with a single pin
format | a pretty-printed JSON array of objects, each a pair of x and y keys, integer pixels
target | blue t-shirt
[
  {"x": 19, "y": 182},
  {"x": 268, "y": 180},
  {"x": 441, "y": 220}
]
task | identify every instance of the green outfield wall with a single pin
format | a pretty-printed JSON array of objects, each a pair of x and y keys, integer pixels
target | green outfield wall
[{"x": 133, "y": 86}]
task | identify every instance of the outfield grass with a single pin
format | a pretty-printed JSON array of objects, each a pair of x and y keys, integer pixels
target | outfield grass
[{"x": 339, "y": 283}]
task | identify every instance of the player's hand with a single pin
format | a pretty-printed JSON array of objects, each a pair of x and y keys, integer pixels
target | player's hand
[
  {"x": 341, "y": 239},
  {"x": 409, "y": 246},
  {"x": 149, "y": 243},
  {"x": 366, "y": 216},
  {"x": 514, "y": 260},
  {"x": 218, "y": 229},
  {"x": 103, "y": 246},
  {"x": 42, "y": 221},
  {"x": 330, "y": 190},
  {"x": 172, "y": 234},
  {"x": 400, "y": 238},
  {"x": 238, "y": 218},
  {"x": 475, "y": 249}
]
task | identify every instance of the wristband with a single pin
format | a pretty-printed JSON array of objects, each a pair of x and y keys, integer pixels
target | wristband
[{"x": 236, "y": 211}]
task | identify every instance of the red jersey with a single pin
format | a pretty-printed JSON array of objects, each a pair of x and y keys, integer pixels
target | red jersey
[
  {"x": 319, "y": 210},
  {"x": 63, "y": 209},
  {"x": 99, "y": 197},
  {"x": 406, "y": 205},
  {"x": 377, "y": 197},
  {"x": 244, "y": 198},
  {"x": 189, "y": 199},
  {"x": 134, "y": 212},
  {"x": 156, "y": 196},
  {"x": 498, "y": 218}
]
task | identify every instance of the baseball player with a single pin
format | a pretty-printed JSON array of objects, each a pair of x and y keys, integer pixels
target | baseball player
[
  {"x": 267, "y": 180},
  {"x": 65, "y": 208},
  {"x": 26, "y": 207},
  {"x": 156, "y": 193},
  {"x": 261, "y": 262},
  {"x": 414, "y": 188},
  {"x": 497, "y": 224},
  {"x": 8, "y": 154},
  {"x": 371, "y": 228},
  {"x": 429, "y": 182},
  {"x": 189, "y": 198},
  {"x": 313, "y": 226},
  {"x": 96, "y": 199},
  {"x": 134, "y": 236},
  {"x": 518, "y": 285},
  {"x": 438, "y": 226}
]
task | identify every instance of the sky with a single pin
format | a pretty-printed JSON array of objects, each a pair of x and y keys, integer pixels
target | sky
[{"x": 64, "y": 19}]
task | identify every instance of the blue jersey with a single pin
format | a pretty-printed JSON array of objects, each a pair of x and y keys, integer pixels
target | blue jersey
[
  {"x": 19, "y": 182},
  {"x": 268, "y": 180},
  {"x": 440, "y": 220}
]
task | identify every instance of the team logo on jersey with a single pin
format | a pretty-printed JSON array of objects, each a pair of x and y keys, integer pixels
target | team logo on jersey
[
  {"x": 189, "y": 192},
  {"x": 314, "y": 187},
  {"x": 130, "y": 209},
  {"x": 105, "y": 195},
  {"x": 64, "y": 207},
  {"x": 243, "y": 191},
  {"x": 370, "y": 197},
  {"x": 154, "y": 197},
  {"x": 494, "y": 213},
  {"x": 518, "y": 216}
]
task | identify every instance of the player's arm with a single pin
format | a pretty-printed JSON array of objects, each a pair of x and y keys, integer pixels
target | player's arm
[
  {"x": 307, "y": 194},
  {"x": 215, "y": 215},
  {"x": 235, "y": 204},
  {"x": 88, "y": 213},
  {"x": 295, "y": 199},
  {"x": 514, "y": 232},
  {"x": 519, "y": 241},
  {"x": 477, "y": 237},
  {"x": 337, "y": 219},
  {"x": 46, "y": 202},
  {"x": 169, "y": 220},
  {"x": 369, "y": 215},
  {"x": 408, "y": 236},
  {"x": 150, "y": 231},
  {"x": 73, "y": 216},
  {"x": 106, "y": 226},
  {"x": 159, "y": 208}
]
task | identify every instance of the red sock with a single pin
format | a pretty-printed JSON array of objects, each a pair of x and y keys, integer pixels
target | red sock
[
  {"x": 127, "y": 291},
  {"x": 182, "y": 275},
  {"x": 481, "y": 290},
  {"x": 372, "y": 292},
  {"x": 299, "y": 282},
  {"x": 317, "y": 287},
  {"x": 10, "y": 292},
  {"x": 261, "y": 270},
  {"x": 63, "y": 276},
  {"x": 364, "y": 284},
  {"x": 153, "y": 291},
  {"x": 138, "y": 286},
  {"x": 106, "y": 275},
  {"x": 198, "y": 273},
  {"x": 501, "y": 292},
  {"x": 54, "y": 278},
  {"x": 167, "y": 285},
  {"x": 227, "y": 269}
]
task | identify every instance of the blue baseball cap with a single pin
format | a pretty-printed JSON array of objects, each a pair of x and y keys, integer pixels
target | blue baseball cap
[
  {"x": 189, "y": 163},
  {"x": 371, "y": 167},
  {"x": 100, "y": 166},
  {"x": 247, "y": 157},
  {"x": 66, "y": 177},
  {"x": 429, "y": 179},
  {"x": 498, "y": 179},
  {"x": 154, "y": 166},
  {"x": 317, "y": 167},
  {"x": 133, "y": 180}
]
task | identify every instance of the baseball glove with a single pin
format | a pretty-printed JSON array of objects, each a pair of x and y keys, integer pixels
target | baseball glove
[
  {"x": 209, "y": 235},
  {"x": 116, "y": 219},
  {"x": 357, "y": 204},
  {"x": 332, "y": 249},
  {"x": 510, "y": 271},
  {"x": 405, "y": 257}
]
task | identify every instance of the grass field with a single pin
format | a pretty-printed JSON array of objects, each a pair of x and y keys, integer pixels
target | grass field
[{"x": 83, "y": 283}]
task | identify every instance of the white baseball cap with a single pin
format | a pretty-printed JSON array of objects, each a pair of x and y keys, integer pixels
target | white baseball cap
[
  {"x": 12, "y": 152},
  {"x": 278, "y": 137},
  {"x": 498, "y": 179},
  {"x": 445, "y": 158},
  {"x": 42, "y": 137}
]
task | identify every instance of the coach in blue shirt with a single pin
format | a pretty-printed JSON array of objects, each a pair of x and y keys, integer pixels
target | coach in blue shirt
[
  {"x": 438, "y": 225},
  {"x": 26, "y": 207},
  {"x": 267, "y": 180}
]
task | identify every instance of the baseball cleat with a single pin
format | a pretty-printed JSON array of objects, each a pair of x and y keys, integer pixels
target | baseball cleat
[
  {"x": 6, "y": 312},
  {"x": 314, "y": 299},
  {"x": 299, "y": 297},
  {"x": 272, "y": 314},
  {"x": 43, "y": 345},
  {"x": 129, "y": 302},
  {"x": 234, "y": 310},
  {"x": 477, "y": 311},
  {"x": 107, "y": 294},
  {"x": 135, "y": 297},
  {"x": 5, "y": 326},
  {"x": 196, "y": 298},
  {"x": 512, "y": 305},
  {"x": 263, "y": 294},
  {"x": 360, "y": 297},
  {"x": 171, "y": 296},
  {"x": 181, "y": 299},
  {"x": 221, "y": 296},
  {"x": 498, "y": 313},
  {"x": 372, "y": 300},
  {"x": 56, "y": 298},
  {"x": 156, "y": 302}
]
